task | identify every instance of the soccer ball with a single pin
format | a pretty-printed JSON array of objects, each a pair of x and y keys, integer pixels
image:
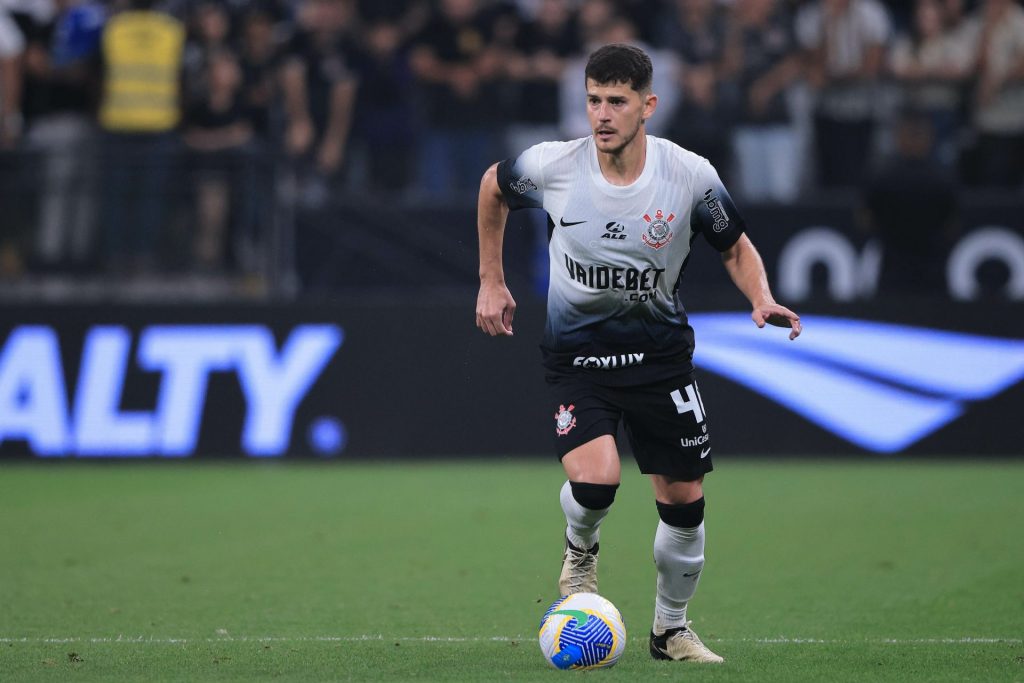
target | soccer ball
[{"x": 582, "y": 631}]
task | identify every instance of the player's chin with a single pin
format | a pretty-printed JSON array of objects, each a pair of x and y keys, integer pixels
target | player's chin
[{"x": 609, "y": 144}]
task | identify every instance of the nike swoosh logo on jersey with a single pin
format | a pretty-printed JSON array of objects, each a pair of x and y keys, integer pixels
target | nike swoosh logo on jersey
[
  {"x": 692, "y": 574},
  {"x": 561, "y": 221},
  {"x": 704, "y": 453}
]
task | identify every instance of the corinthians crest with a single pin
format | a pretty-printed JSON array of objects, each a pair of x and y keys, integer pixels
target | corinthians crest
[
  {"x": 564, "y": 421},
  {"x": 659, "y": 232}
]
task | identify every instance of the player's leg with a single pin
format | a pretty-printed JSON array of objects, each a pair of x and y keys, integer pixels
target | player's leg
[
  {"x": 593, "y": 472},
  {"x": 669, "y": 432},
  {"x": 678, "y": 548},
  {"x": 585, "y": 426},
  {"x": 679, "y": 557}
]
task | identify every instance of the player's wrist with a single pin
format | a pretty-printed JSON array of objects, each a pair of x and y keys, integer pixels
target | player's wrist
[{"x": 492, "y": 278}]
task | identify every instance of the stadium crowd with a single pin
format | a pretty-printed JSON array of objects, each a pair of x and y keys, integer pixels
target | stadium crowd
[{"x": 107, "y": 106}]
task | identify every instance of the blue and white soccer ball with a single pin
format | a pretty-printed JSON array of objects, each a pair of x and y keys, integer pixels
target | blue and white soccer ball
[{"x": 582, "y": 631}]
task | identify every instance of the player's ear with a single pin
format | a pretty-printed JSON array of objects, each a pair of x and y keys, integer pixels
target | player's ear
[{"x": 650, "y": 104}]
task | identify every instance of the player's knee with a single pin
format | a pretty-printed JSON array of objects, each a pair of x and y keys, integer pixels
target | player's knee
[
  {"x": 684, "y": 516},
  {"x": 593, "y": 496}
]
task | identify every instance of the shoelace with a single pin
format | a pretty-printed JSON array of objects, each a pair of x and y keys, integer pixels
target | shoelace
[
  {"x": 688, "y": 634},
  {"x": 581, "y": 561}
]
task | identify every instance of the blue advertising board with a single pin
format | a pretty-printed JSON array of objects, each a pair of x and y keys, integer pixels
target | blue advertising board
[{"x": 414, "y": 378}]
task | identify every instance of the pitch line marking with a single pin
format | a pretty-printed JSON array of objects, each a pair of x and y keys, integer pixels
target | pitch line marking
[
  {"x": 226, "y": 638},
  {"x": 965, "y": 640}
]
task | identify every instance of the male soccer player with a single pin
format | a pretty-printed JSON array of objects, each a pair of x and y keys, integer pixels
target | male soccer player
[{"x": 624, "y": 209}]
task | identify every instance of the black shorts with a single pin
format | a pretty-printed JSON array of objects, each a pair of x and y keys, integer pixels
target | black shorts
[{"x": 664, "y": 420}]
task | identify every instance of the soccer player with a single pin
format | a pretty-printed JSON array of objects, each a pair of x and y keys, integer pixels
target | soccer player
[{"x": 624, "y": 208}]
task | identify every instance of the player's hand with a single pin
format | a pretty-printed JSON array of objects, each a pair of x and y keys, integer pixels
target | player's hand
[
  {"x": 495, "y": 308},
  {"x": 779, "y": 316}
]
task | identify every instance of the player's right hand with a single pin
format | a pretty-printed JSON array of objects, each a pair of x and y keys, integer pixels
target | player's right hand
[{"x": 495, "y": 308}]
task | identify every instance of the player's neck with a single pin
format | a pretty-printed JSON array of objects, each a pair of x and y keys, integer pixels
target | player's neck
[{"x": 625, "y": 166}]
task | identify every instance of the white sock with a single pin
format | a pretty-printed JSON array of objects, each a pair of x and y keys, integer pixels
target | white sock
[
  {"x": 582, "y": 523},
  {"x": 679, "y": 556}
]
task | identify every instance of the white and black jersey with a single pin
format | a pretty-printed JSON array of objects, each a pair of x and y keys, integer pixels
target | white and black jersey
[{"x": 618, "y": 253}]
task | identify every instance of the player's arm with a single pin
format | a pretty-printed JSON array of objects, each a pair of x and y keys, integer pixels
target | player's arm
[
  {"x": 746, "y": 269},
  {"x": 494, "y": 304}
]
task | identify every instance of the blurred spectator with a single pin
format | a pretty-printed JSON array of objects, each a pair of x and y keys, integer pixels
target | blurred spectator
[
  {"x": 648, "y": 17},
  {"x": 592, "y": 21},
  {"x": 911, "y": 207},
  {"x": 996, "y": 32},
  {"x": 320, "y": 90},
  {"x": 408, "y": 16},
  {"x": 218, "y": 134},
  {"x": 930, "y": 64},
  {"x": 844, "y": 42},
  {"x": 457, "y": 70},
  {"x": 954, "y": 14},
  {"x": 384, "y": 135},
  {"x": 140, "y": 110},
  {"x": 209, "y": 31},
  {"x": 61, "y": 88},
  {"x": 434, "y": 89},
  {"x": 708, "y": 104},
  {"x": 12, "y": 45},
  {"x": 762, "y": 54},
  {"x": 543, "y": 45},
  {"x": 260, "y": 58}
]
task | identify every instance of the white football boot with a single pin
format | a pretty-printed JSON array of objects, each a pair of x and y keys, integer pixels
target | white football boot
[
  {"x": 682, "y": 645},
  {"x": 579, "y": 570}
]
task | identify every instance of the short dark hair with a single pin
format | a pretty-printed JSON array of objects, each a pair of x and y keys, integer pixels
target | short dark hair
[{"x": 620, "y": 63}]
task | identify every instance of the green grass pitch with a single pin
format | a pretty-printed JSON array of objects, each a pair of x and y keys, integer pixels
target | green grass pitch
[{"x": 816, "y": 571}]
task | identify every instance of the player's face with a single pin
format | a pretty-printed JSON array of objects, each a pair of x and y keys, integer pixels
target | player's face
[{"x": 616, "y": 113}]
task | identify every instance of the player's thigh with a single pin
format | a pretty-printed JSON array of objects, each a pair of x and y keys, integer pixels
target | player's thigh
[
  {"x": 595, "y": 462},
  {"x": 668, "y": 430},
  {"x": 585, "y": 424}
]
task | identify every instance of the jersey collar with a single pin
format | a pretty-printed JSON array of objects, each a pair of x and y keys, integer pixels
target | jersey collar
[{"x": 633, "y": 188}]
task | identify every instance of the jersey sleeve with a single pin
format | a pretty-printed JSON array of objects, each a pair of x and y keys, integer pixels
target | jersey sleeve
[
  {"x": 714, "y": 215},
  {"x": 522, "y": 180}
]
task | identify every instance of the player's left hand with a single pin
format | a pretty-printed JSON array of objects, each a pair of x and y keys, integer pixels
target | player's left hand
[{"x": 779, "y": 316}]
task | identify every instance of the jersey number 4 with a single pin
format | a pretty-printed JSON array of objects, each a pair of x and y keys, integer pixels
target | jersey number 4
[{"x": 693, "y": 403}]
